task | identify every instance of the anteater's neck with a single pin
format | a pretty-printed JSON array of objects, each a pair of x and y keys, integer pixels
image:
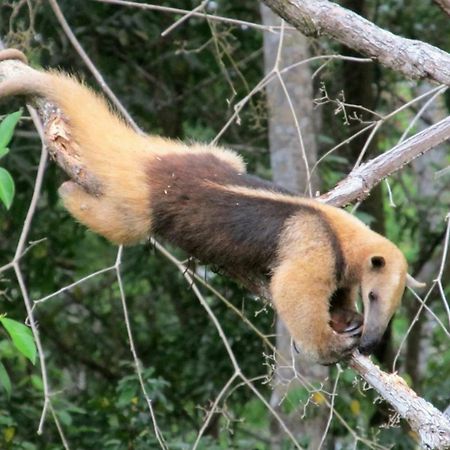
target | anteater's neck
[{"x": 217, "y": 214}]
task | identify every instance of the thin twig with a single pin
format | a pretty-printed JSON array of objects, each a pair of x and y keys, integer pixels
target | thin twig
[
  {"x": 333, "y": 396},
  {"x": 90, "y": 65},
  {"x": 133, "y": 350},
  {"x": 167, "y": 9},
  {"x": 74, "y": 284},
  {"x": 184, "y": 18}
]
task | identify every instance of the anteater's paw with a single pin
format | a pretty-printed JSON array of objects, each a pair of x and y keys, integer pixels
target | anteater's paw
[
  {"x": 346, "y": 321},
  {"x": 337, "y": 346}
]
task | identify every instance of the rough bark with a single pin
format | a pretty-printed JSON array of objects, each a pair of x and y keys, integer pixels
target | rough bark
[
  {"x": 412, "y": 58},
  {"x": 289, "y": 171},
  {"x": 429, "y": 423}
]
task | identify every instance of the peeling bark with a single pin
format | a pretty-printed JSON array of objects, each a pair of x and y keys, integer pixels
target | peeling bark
[{"x": 63, "y": 150}]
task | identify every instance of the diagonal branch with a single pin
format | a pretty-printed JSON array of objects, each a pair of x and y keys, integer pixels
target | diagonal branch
[
  {"x": 429, "y": 423},
  {"x": 358, "y": 184},
  {"x": 414, "y": 59}
]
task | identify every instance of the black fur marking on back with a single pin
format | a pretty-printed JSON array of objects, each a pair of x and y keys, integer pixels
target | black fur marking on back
[
  {"x": 339, "y": 260},
  {"x": 215, "y": 225},
  {"x": 228, "y": 229}
]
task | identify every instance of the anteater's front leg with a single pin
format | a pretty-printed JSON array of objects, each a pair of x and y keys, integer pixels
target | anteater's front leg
[{"x": 301, "y": 290}]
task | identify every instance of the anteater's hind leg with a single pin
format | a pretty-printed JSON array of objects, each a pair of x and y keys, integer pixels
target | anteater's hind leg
[{"x": 103, "y": 214}]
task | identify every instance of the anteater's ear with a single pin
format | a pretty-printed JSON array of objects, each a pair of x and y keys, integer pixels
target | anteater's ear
[
  {"x": 377, "y": 262},
  {"x": 413, "y": 283}
]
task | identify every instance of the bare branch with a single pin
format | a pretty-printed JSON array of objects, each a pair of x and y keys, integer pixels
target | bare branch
[
  {"x": 56, "y": 133},
  {"x": 412, "y": 58}
]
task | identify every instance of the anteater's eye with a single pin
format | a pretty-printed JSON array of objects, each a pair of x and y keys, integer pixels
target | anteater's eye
[
  {"x": 372, "y": 296},
  {"x": 378, "y": 262}
]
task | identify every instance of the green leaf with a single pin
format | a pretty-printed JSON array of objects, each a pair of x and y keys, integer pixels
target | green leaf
[
  {"x": 3, "y": 151},
  {"x": 6, "y": 188},
  {"x": 7, "y": 128},
  {"x": 7, "y": 421},
  {"x": 36, "y": 381},
  {"x": 5, "y": 380},
  {"x": 65, "y": 418},
  {"x": 21, "y": 336}
]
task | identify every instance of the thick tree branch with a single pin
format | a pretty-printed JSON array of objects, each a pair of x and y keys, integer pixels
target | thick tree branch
[
  {"x": 432, "y": 426},
  {"x": 357, "y": 185},
  {"x": 414, "y": 59}
]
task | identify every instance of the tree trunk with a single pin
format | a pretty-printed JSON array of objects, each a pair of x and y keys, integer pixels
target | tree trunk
[
  {"x": 432, "y": 193},
  {"x": 359, "y": 88},
  {"x": 289, "y": 171}
]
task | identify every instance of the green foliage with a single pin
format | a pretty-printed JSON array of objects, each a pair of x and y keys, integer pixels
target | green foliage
[
  {"x": 5, "y": 381},
  {"x": 21, "y": 336},
  {"x": 7, "y": 127},
  {"x": 6, "y": 188},
  {"x": 23, "y": 341}
]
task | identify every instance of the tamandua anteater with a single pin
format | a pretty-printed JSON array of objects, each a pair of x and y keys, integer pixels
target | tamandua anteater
[{"x": 316, "y": 257}]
